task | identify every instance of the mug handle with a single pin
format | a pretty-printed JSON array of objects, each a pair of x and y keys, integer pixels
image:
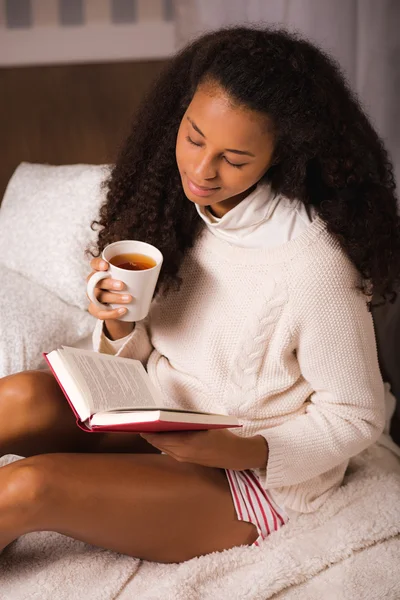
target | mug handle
[{"x": 91, "y": 284}]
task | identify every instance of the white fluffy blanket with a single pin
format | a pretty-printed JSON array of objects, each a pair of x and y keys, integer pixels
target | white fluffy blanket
[{"x": 349, "y": 550}]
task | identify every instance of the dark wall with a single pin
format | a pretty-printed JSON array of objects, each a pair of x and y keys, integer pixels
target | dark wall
[{"x": 68, "y": 113}]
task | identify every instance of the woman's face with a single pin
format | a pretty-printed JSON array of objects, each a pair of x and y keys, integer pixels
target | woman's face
[{"x": 222, "y": 149}]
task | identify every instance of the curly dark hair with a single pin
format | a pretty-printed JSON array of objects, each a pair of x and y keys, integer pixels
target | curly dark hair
[{"x": 327, "y": 153}]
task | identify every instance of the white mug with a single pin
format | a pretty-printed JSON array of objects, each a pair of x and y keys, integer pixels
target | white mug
[{"x": 139, "y": 284}]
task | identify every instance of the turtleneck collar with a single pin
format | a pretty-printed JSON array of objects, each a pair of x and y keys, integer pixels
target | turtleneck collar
[{"x": 262, "y": 206}]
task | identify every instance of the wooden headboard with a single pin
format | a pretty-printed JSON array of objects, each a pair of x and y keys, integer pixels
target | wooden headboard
[{"x": 68, "y": 114}]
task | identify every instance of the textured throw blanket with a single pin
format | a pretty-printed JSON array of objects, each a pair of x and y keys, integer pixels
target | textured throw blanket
[{"x": 349, "y": 550}]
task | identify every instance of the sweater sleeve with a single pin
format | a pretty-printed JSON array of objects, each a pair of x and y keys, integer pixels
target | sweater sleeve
[
  {"x": 336, "y": 352},
  {"x": 135, "y": 345}
]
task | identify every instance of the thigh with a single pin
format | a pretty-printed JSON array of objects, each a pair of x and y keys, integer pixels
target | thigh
[
  {"x": 147, "y": 506},
  {"x": 35, "y": 418}
]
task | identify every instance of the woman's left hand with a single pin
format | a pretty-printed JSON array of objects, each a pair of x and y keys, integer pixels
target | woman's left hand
[{"x": 218, "y": 448}]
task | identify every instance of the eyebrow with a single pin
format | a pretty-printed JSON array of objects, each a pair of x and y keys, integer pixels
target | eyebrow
[{"x": 193, "y": 124}]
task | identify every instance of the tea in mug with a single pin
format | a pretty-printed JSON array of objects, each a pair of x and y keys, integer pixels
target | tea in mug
[{"x": 133, "y": 262}]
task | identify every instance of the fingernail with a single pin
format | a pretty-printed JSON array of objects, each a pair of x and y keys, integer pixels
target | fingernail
[
  {"x": 103, "y": 264},
  {"x": 121, "y": 311},
  {"x": 117, "y": 285},
  {"x": 125, "y": 298}
]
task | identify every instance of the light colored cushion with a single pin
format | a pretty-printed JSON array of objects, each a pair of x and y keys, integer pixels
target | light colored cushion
[
  {"x": 45, "y": 222},
  {"x": 32, "y": 321}
]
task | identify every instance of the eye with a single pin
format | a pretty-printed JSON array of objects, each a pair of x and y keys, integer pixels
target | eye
[
  {"x": 189, "y": 139},
  {"x": 233, "y": 164}
]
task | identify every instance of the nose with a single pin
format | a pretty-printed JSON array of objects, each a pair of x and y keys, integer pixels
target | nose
[{"x": 205, "y": 169}]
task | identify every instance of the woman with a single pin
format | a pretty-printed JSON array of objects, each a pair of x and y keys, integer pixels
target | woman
[{"x": 255, "y": 171}]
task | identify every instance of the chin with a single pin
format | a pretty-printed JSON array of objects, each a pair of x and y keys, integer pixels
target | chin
[
  {"x": 206, "y": 201},
  {"x": 200, "y": 201}
]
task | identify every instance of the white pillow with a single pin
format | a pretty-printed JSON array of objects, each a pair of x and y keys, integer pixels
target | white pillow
[
  {"x": 32, "y": 321},
  {"x": 45, "y": 222}
]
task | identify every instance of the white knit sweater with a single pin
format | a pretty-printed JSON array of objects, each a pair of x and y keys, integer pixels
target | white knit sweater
[{"x": 280, "y": 337}]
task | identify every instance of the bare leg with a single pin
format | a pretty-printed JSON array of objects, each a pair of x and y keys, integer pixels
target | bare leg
[
  {"x": 35, "y": 418},
  {"x": 147, "y": 506}
]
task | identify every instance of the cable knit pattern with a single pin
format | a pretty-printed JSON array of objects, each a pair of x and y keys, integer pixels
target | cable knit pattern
[
  {"x": 243, "y": 378},
  {"x": 280, "y": 337}
]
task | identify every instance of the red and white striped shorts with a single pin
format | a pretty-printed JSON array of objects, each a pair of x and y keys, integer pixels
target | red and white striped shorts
[{"x": 253, "y": 503}]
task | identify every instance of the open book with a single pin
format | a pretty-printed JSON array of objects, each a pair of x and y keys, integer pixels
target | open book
[{"x": 110, "y": 393}]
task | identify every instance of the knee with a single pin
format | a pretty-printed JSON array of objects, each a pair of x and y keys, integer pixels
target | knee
[
  {"x": 23, "y": 393},
  {"x": 28, "y": 485},
  {"x": 20, "y": 386}
]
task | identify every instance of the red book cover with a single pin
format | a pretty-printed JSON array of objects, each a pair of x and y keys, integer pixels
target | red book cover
[{"x": 158, "y": 426}]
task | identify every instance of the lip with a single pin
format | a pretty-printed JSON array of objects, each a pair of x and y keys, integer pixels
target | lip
[{"x": 198, "y": 190}]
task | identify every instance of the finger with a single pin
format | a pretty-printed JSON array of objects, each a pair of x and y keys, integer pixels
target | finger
[
  {"x": 109, "y": 314},
  {"x": 158, "y": 437},
  {"x": 178, "y": 454},
  {"x": 99, "y": 264},
  {"x": 173, "y": 437},
  {"x": 108, "y": 298},
  {"x": 169, "y": 442},
  {"x": 152, "y": 436},
  {"x": 110, "y": 284},
  {"x": 154, "y": 443}
]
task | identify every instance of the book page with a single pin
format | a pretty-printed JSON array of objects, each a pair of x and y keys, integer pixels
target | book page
[{"x": 111, "y": 382}]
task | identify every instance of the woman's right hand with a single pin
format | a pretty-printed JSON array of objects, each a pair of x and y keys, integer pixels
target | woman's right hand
[{"x": 105, "y": 293}]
